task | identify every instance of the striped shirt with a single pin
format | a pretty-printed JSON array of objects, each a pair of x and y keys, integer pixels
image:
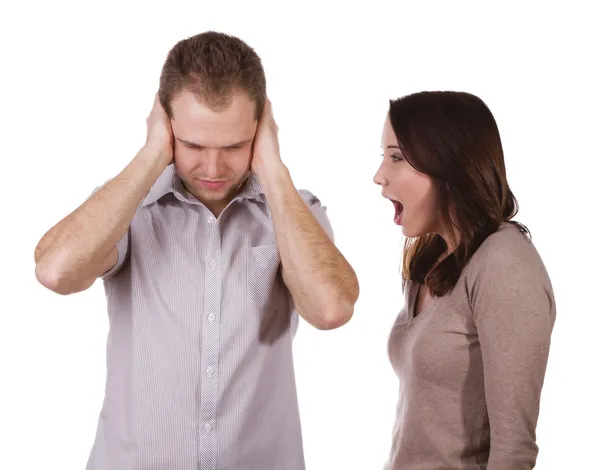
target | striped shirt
[{"x": 199, "y": 353}]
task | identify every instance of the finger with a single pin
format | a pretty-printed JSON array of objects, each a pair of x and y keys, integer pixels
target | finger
[
  {"x": 265, "y": 111},
  {"x": 268, "y": 112}
]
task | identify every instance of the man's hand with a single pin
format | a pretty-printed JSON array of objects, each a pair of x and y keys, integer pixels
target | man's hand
[
  {"x": 159, "y": 136},
  {"x": 266, "y": 156}
]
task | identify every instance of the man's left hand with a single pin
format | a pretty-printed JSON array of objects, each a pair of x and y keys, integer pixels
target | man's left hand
[{"x": 266, "y": 155}]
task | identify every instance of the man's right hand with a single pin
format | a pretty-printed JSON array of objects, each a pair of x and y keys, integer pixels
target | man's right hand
[{"x": 159, "y": 132}]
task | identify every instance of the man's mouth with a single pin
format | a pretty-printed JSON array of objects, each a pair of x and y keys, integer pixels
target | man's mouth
[{"x": 212, "y": 184}]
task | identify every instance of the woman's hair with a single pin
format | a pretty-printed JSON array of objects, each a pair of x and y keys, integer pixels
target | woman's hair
[{"x": 453, "y": 138}]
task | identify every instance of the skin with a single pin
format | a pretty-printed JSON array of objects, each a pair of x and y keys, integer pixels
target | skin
[
  {"x": 205, "y": 145},
  {"x": 213, "y": 146},
  {"x": 401, "y": 182},
  {"x": 322, "y": 282}
]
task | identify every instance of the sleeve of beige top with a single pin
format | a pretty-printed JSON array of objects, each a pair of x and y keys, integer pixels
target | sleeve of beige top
[{"x": 513, "y": 307}]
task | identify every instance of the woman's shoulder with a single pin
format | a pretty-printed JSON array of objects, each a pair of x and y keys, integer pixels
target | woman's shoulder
[
  {"x": 507, "y": 252},
  {"x": 507, "y": 239}
]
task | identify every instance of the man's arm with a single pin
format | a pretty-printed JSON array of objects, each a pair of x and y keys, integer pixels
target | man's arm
[
  {"x": 82, "y": 246},
  {"x": 323, "y": 284}
]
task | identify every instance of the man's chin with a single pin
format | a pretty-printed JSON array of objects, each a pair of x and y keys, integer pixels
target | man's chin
[
  {"x": 212, "y": 194},
  {"x": 226, "y": 192}
]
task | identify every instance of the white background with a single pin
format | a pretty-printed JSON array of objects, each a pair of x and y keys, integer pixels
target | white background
[{"x": 77, "y": 83}]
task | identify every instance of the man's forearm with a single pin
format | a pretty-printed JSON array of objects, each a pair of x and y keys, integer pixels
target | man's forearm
[
  {"x": 76, "y": 246},
  {"x": 323, "y": 284}
]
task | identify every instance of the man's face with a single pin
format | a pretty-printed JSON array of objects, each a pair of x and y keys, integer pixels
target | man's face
[{"x": 213, "y": 149}]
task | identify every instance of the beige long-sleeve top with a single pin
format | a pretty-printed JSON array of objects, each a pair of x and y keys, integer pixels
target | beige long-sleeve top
[{"x": 471, "y": 366}]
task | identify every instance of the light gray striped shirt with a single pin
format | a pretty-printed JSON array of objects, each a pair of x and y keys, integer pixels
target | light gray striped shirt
[{"x": 199, "y": 352}]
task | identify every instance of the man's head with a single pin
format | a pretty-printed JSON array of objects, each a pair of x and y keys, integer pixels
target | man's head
[{"x": 213, "y": 88}]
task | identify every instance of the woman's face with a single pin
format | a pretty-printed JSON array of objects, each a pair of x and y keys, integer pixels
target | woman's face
[{"x": 411, "y": 192}]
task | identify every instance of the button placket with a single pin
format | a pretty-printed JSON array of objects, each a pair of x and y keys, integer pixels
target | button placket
[{"x": 209, "y": 355}]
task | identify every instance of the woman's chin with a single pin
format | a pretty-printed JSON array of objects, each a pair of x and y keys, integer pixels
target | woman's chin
[{"x": 409, "y": 232}]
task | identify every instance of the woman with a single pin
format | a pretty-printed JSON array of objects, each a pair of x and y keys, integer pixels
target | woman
[{"x": 471, "y": 344}]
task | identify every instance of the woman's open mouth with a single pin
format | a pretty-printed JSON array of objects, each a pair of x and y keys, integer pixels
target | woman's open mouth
[{"x": 398, "y": 210}]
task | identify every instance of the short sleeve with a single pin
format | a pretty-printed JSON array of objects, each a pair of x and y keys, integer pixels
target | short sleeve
[
  {"x": 319, "y": 211},
  {"x": 122, "y": 248},
  {"x": 123, "y": 251}
]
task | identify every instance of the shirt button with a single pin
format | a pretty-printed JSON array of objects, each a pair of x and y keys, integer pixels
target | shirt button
[
  {"x": 211, "y": 317},
  {"x": 208, "y": 427},
  {"x": 210, "y": 219},
  {"x": 213, "y": 264},
  {"x": 210, "y": 371}
]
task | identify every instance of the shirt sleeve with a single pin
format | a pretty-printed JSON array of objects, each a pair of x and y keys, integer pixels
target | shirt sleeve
[
  {"x": 514, "y": 313},
  {"x": 319, "y": 211},
  {"x": 122, "y": 249}
]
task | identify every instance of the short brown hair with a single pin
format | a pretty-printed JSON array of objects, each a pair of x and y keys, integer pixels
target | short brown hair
[
  {"x": 213, "y": 66},
  {"x": 453, "y": 137}
]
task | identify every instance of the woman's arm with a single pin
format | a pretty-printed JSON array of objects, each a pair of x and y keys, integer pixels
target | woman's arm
[{"x": 514, "y": 311}]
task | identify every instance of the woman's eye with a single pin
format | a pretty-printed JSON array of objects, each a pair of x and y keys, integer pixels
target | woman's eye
[{"x": 396, "y": 158}]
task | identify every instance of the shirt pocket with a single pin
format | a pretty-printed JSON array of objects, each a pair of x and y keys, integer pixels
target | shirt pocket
[{"x": 263, "y": 263}]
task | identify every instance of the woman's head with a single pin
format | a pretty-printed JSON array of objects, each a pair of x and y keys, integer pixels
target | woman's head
[{"x": 443, "y": 169}]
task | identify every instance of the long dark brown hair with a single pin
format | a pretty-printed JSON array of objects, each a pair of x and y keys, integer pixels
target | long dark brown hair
[{"x": 453, "y": 138}]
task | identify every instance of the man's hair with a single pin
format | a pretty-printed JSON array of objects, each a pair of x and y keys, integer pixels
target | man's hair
[{"x": 213, "y": 66}]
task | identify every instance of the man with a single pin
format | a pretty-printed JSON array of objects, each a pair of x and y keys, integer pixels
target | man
[{"x": 207, "y": 251}]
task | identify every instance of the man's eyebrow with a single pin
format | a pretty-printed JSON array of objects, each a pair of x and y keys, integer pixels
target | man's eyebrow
[
  {"x": 198, "y": 146},
  {"x": 238, "y": 144},
  {"x": 189, "y": 144}
]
